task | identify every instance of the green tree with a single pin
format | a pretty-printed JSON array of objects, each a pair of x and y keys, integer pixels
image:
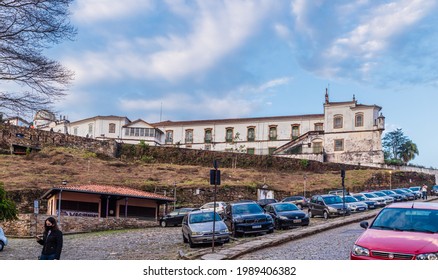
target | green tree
[
  {"x": 408, "y": 151},
  {"x": 392, "y": 142},
  {"x": 8, "y": 210}
]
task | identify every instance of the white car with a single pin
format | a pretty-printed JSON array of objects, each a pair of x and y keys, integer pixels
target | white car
[
  {"x": 220, "y": 206},
  {"x": 380, "y": 202},
  {"x": 3, "y": 239}
]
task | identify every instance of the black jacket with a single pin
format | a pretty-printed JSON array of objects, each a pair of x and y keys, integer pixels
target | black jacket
[{"x": 52, "y": 243}]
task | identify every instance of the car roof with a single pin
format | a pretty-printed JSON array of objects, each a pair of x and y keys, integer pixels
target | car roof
[
  {"x": 200, "y": 211},
  {"x": 243, "y": 202},
  {"x": 327, "y": 195},
  {"x": 415, "y": 205}
]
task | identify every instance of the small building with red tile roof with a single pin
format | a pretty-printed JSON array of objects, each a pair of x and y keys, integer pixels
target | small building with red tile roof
[{"x": 103, "y": 201}]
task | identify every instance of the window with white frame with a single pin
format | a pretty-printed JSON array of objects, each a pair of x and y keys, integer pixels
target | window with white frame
[
  {"x": 251, "y": 134},
  {"x": 189, "y": 136},
  {"x": 90, "y": 129},
  {"x": 358, "y": 120},
  {"x": 339, "y": 145},
  {"x": 229, "y": 134},
  {"x": 338, "y": 121},
  {"x": 295, "y": 131},
  {"x": 112, "y": 128},
  {"x": 169, "y": 136},
  {"x": 208, "y": 135},
  {"x": 273, "y": 133}
]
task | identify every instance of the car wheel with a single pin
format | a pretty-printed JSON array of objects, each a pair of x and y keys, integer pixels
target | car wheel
[
  {"x": 2, "y": 245},
  {"x": 163, "y": 224},
  {"x": 326, "y": 215},
  {"x": 192, "y": 245},
  {"x": 185, "y": 240}
]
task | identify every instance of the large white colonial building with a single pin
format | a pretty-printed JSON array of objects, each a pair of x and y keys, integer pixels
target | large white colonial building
[{"x": 346, "y": 132}]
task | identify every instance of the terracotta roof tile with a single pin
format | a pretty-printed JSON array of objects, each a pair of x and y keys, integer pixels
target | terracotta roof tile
[{"x": 113, "y": 190}]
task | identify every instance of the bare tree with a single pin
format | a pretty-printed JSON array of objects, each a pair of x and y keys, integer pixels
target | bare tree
[{"x": 27, "y": 28}]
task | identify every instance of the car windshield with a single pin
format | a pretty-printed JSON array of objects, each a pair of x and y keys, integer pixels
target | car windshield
[
  {"x": 379, "y": 194},
  {"x": 285, "y": 207},
  {"x": 332, "y": 199},
  {"x": 415, "y": 188},
  {"x": 370, "y": 195},
  {"x": 203, "y": 217},
  {"x": 435, "y": 188},
  {"x": 359, "y": 197},
  {"x": 250, "y": 208},
  {"x": 407, "y": 219},
  {"x": 350, "y": 199}
]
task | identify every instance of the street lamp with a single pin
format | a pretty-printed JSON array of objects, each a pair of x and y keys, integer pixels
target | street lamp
[
  {"x": 390, "y": 179},
  {"x": 305, "y": 183}
]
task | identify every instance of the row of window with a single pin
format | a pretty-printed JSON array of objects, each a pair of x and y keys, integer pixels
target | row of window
[
  {"x": 230, "y": 136},
  {"x": 338, "y": 120},
  {"x": 133, "y": 131}
]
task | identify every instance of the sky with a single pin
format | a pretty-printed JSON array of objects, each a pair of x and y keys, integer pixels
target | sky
[{"x": 191, "y": 60}]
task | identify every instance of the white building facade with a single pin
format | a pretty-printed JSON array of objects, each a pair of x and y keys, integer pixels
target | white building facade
[{"x": 346, "y": 132}]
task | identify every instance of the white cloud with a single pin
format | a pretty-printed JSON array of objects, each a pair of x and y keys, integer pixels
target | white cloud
[
  {"x": 374, "y": 34},
  {"x": 217, "y": 29},
  {"x": 86, "y": 11}
]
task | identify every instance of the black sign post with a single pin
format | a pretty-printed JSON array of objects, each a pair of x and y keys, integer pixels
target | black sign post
[{"x": 215, "y": 179}]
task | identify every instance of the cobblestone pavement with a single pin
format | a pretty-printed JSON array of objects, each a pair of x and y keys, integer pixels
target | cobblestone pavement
[
  {"x": 154, "y": 243},
  {"x": 334, "y": 244}
]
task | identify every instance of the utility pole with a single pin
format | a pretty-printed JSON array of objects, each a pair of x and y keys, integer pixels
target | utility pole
[{"x": 215, "y": 179}]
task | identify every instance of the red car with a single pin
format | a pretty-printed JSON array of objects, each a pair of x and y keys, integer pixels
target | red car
[{"x": 402, "y": 231}]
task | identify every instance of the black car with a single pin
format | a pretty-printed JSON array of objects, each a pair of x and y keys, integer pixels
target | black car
[
  {"x": 397, "y": 197},
  {"x": 327, "y": 205},
  {"x": 299, "y": 201},
  {"x": 175, "y": 217},
  {"x": 266, "y": 201},
  {"x": 287, "y": 215},
  {"x": 247, "y": 217}
]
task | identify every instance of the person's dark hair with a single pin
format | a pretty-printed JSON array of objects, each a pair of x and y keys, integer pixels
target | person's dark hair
[{"x": 53, "y": 222}]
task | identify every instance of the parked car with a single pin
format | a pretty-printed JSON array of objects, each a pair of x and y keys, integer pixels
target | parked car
[
  {"x": 266, "y": 201},
  {"x": 380, "y": 202},
  {"x": 388, "y": 199},
  {"x": 300, "y": 201},
  {"x": 175, "y": 217},
  {"x": 402, "y": 231},
  {"x": 197, "y": 228},
  {"x": 354, "y": 204},
  {"x": 397, "y": 197},
  {"x": 434, "y": 190},
  {"x": 418, "y": 194},
  {"x": 220, "y": 206},
  {"x": 409, "y": 196},
  {"x": 3, "y": 239},
  {"x": 417, "y": 191},
  {"x": 287, "y": 215},
  {"x": 327, "y": 205},
  {"x": 247, "y": 217},
  {"x": 371, "y": 204},
  {"x": 339, "y": 192}
]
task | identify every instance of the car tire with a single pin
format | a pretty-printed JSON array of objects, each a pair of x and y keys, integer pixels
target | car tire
[
  {"x": 2, "y": 245},
  {"x": 185, "y": 240},
  {"x": 191, "y": 244},
  {"x": 326, "y": 215},
  {"x": 163, "y": 224}
]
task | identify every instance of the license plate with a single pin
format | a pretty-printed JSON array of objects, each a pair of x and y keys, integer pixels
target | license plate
[
  {"x": 257, "y": 226},
  {"x": 341, "y": 212},
  {"x": 297, "y": 221},
  {"x": 361, "y": 209}
]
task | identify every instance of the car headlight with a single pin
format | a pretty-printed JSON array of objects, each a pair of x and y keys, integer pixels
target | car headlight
[
  {"x": 224, "y": 231},
  {"x": 332, "y": 209},
  {"x": 283, "y": 217},
  {"x": 238, "y": 220},
  {"x": 360, "y": 251},
  {"x": 429, "y": 256},
  {"x": 197, "y": 233}
]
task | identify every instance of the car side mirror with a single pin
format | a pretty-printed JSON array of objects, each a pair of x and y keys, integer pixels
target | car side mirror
[{"x": 364, "y": 224}]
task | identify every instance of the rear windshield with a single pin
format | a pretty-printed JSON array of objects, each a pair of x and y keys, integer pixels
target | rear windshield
[
  {"x": 250, "y": 208},
  {"x": 332, "y": 199}
]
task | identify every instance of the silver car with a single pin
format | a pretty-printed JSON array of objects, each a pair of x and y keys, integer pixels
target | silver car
[
  {"x": 197, "y": 228},
  {"x": 354, "y": 204},
  {"x": 3, "y": 239}
]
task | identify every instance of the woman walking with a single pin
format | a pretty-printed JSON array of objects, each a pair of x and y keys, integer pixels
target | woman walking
[{"x": 52, "y": 240}]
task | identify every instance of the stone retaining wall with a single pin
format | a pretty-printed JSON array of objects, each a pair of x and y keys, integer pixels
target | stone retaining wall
[{"x": 28, "y": 225}]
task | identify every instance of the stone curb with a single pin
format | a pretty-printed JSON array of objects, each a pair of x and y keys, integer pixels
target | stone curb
[{"x": 277, "y": 239}]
